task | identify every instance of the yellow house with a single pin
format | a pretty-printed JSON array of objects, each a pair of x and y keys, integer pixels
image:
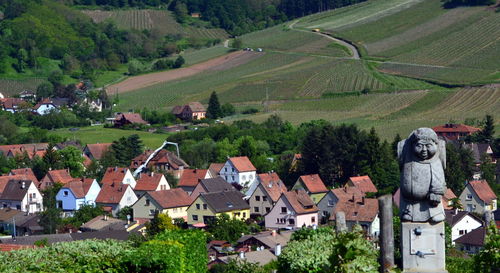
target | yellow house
[
  {"x": 313, "y": 185},
  {"x": 174, "y": 202},
  {"x": 210, "y": 205}
]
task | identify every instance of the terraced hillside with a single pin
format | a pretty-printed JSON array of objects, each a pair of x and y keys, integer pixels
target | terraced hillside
[
  {"x": 161, "y": 20},
  {"x": 9, "y": 87}
]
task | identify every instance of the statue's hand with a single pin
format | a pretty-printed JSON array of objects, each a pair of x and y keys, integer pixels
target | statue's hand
[{"x": 434, "y": 199}]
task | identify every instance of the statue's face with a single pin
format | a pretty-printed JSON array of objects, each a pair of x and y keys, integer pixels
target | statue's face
[{"x": 425, "y": 149}]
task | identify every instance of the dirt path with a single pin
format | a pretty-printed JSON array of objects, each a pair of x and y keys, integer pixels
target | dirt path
[{"x": 220, "y": 63}]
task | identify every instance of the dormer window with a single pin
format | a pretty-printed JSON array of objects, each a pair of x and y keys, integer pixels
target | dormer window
[
  {"x": 147, "y": 202},
  {"x": 229, "y": 204},
  {"x": 469, "y": 196},
  {"x": 283, "y": 210}
]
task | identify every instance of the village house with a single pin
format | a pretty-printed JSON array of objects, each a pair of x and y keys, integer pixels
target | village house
[
  {"x": 115, "y": 196},
  {"x": 26, "y": 173},
  {"x": 173, "y": 202},
  {"x": 218, "y": 248},
  {"x": 122, "y": 119},
  {"x": 211, "y": 185},
  {"x": 362, "y": 211},
  {"x": 461, "y": 223},
  {"x": 114, "y": 175},
  {"x": 32, "y": 150},
  {"x": 164, "y": 160},
  {"x": 265, "y": 240},
  {"x": 190, "y": 111},
  {"x": 472, "y": 242},
  {"x": 261, "y": 257},
  {"x": 96, "y": 151},
  {"x": 21, "y": 195},
  {"x": 267, "y": 192},
  {"x": 55, "y": 176},
  {"x": 239, "y": 170},
  {"x": 453, "y": 131},
  {"x": 26, "y": 224},
  {"x": 103, "y": 223},
  {"x": 293, "y": 210},
  {"x": 210, "y": 205},
  {"x": 13, "y": 105},
  {"x": 480, "y": 151},
  {"x": 150, "y": 182},
  {"x": 27, "y": 95},
  {"x": 363, "y": 183},
  {"x": 77, "y": 193},
  {"x": 191, "y": 177},
  {"x": 478, "y": 197},
  {"x": 313, "y": 185},
  {"x": 327, "y": 204},
  {"x": 45, "y": 106},
  {"x": 214, "y": 169}
]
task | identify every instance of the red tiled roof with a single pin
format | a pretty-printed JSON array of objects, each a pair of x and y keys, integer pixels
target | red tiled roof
[
  {"x": 357, "y": 209},
  {"x": 483, "y": 190},
  {"x": 449, "y": 194},
  {"x": 111, "y": 193},
  {"x": 114, "y": 175},
  {"x": 215, "y": 168},
  {"x": 131, "y": 117},
  {"x": 363, "y": 183},
  {"x": 346, "y": 193},
  {"x": 12, "y": 103},
  {"x": 300, "y": 202},
  {"x": 27, "y": 173},
  {"x": 242, "y": 164},
  {"x": 59, "y": 176},
  {"x": 10, "y": 247},
  {"x": 196, "y": 106},
  {"x": 191, "y": 177},
  {"x": 148, "y": 182},
  {"x": 455, "y": 128},
  {"x": 272, "y": 184},
  {"x": 313, "y": 183},
  {"x": 31, "y": 149},
  {"x": 172, "y": 198},
  {"x": 97, "y": 150},
  {"x": 80, "y": 187}
]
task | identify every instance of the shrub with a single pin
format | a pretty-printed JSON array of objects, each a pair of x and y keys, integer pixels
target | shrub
[
  {"x": 250, "y": 111},
  {"x": 157, "y": 256}
]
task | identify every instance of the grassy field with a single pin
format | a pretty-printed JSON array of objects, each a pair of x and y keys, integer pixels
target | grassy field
[
  {"x": 161, "y": 20},
  {"x": 9, "y": 87},
  {"x": 99, "y": 134}
]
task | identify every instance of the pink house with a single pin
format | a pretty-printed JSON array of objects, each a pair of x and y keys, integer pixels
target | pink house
[{"x": 293, "y": 210}]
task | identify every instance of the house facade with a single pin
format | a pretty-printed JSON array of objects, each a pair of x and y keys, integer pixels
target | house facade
[
  {"x": 22, "y": 195},
  {"x": 150, "y": 182},
  {"x": 122, "y": 119},
  {"x": 461, "y": 223},
  {"x": 478, "y": 197},
  {"x": 173, "y": 202},
  {"x": 472, "y": 242},
  {"x": 44, "y": 107},
  {"x": 239, "y": 170},
  {"x": 293, "y": 210},
  {"x": 114, "y": 175},
  {"x": 190, "y": 111},
  {"x": 115, "y": 196},
  {"x": 454, "y": 131},
  {"x": 77, "y": 193},
  {"x": 266, "y": 194},
  {"x": 313, "y": 185},
  {"x": 327, "y": 204},
  {"x": 163, "y": 160}
]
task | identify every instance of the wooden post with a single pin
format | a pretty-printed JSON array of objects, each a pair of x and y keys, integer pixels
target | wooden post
[
  {"x": 340, "y": 225},
  {"x": 386, "y": 233}
]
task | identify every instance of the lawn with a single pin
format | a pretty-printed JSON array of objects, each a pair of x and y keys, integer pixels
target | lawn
[{"x": 99, "y": 134}]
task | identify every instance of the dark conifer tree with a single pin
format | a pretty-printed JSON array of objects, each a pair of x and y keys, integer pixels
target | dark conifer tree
[{"x": 214, "y": 111}]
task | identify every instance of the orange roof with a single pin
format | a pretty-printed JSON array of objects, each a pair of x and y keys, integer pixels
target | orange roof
[
  {"x": 313, "y": 183},
  {"x": 27, "y": 173},
  {"x": 196, "y": 106},
  {"x": 148, "y": 182},
  {"x": 346, "y": 193},
  {"x": 357, "y": 209},
  {"x": 455, "y": 128},
  {"x": 363, "y": 183},
  {"x": 172, "y": 198},
  {"x": 191, "y": 177},
  {"x": 272, "y": 184},
  {"x": 449, "y": 194},
  {"x": 242, "y": 164},
  {"x": 483, "y": 190},
  {"x": 80, "y": 187},
  {"x": 215, "y": 168},
  {"x": 300, "y": 202},
  {"x": 60, "y": 176},
  {"x": 131, "y": 117},
  {"x": 97, "y": 150},
  {"x": 111, "y": 193},
  {"x": 10, "y": 247},
  {"x": 114, "y": 175}
]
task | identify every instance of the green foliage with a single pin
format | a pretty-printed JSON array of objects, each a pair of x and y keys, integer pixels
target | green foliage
[
  {"x": 488, "y": 259},
  {"x": 308, "y": 233},
  {"x": 125, "y": 149},
  {"x": 227, "y": 229},
  {"x": 159, "y": 223},
  {"x": 72, "y": 159},
  {"x": 353, "y": 253},
  {"x": 42, "y": 243},
  {"x": 157, "y": 256},
  {"x": 214, "y": 110},
  {"x": 83, "y": 215},
  {"x": 122, "y": 214},
  {"x": 237, "y": 44},
  {"x": 227, "y": 109},
  {"x": 238, "y": 266},
  {"x": 459, "y": 167},
  {"x": 50, "y": 218},
  {"x": 459, "y": 264}
]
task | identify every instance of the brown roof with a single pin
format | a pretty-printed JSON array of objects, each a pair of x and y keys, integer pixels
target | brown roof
[
  {"x": 114, "y": 175},
  {"x": 5, "y": 179},
  {"x": 272, "y": 184},
  {"x": 215, "y": 168},
  {"x": 15, "y": 190},
  {"x": 363, "y": 183},
  {"x": 475, "y": 237},
  {"x": 10, "y": 247},
  {"x": 196, "y": 106},
  {"x": 177, "y": 110},
  {"x": 449, "y": 194},
  {"x": 456, "y": 128},
  {"x": 131, "y": 117},
  {"x": 313, "y": 183},
  {"x": 80, "y": 188},
  {"x": 7, "y": 214},
  {"x": 97, "y": 150},
  {"x": 357, "y": 209},
  {"x": 242, "y": 164},
  {"x": 300, "y": 202},
  {"x": 191, "y": 177},
  {"x": 59, "y": 176},
  {"x": 162, "y": 157},
  {"x": 25, "y": 172},
  {"x": 223, "y": 201},
  {"x": 104, "y": 223},
  {"x": 172, "y": 198},
  {"x": 345, "y": 193},
  {"x": 453, "y": 217},
  {"x": 31, "y": 149},
  {"x": 148, "y": 182},
  {"x": 216, "y": 184},
  {"x": 111, "y": 193},
  {"x": 12, "y": 103},
  {"x": 483, "y": 190}
]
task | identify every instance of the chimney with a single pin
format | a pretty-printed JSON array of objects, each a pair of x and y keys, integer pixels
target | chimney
[
  {"x": 23, "y": 185},
  {"x": 116, "y": 169},
  {"x": 273, "y": 233},
  {"x": 277, "y": 250},
  {"x": 152, "y": 174},
  {"x": 242, "y": 255}
]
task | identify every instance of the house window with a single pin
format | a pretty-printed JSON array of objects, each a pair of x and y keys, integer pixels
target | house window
[
  {"x": 174, "y": 210},
  {"x": 283, "y": 210},
  {"x": 331, "y": 203},
  {"x": 244, "y": 214},
  {"x": 59, "y": 204},
  {"x": 226, "y": 177},
  {"x": 461, "y": 232},
  {"x": 232, "y": 169},
  {"x": 18, "y": 207},
  {"x": 151, "y": 212},
  {"x": 195, "y": 217},
  {"x": 244, "y": 177},
  {"x": 277, "y": 220},
  {"x": 250, "y": 177},
  {"x": 129, "y": 198},
  {"x": 256, "y": 209},
  {"x": 237, "y": 214},
  {"x": 313, "y": 219},
  {"x": 225, "y": 169},
  {"x": 197, "y": 206},
  {"x": 469, "y": 196},
  {"x": 147, "y": 202},
  {"x": 291, "y": 221},
  {"x": 65, "y": 193},
  {"x": 205, "y": 206},
  {"x": 264, "y": 198},
  {"x": 268, "y": 209},
  {"x": 233, "y": 178},
  {"x": 257, "y": 198}
]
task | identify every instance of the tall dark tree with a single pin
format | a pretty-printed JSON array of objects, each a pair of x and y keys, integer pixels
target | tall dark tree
[
  {"x": 214, "y": 111},
  {"x": 459, "y": 167},
  {"x": 50, "y": 218},
  {"x": 488, "y": 131}
]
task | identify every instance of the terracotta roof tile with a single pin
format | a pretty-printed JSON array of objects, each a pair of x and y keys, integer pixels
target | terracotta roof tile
[
  {"x": 449, "y": 194},
  {"x": 80, "y": 188},
  {"x": 97, "y": 150},
  {"x": 148, "y": 182},
  {"x": 272, "y": 184},
  {"x": 172, "y": 198},
  {"x": 483, "y": 190},
  {"x": 363, "y": 183},
  {"x": 215, "y": 168},
  {"x": 242, "y": 164},
  {"x": 448, "y": 128},
  {"x": 131, "y": 117},
  {"x": 114, "y": 175},
  {"x": 313, "y": 183},
  {"x": 57, "y": 176},
  {"x": 345, "y": 193},
  {"x": 11, "y": 247},
  {"x": 111, "y": 193},
  {"x": 300, "y": 202},
  {"x": 357, "y": 209},
  {"x": 191, "y": 177}
]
